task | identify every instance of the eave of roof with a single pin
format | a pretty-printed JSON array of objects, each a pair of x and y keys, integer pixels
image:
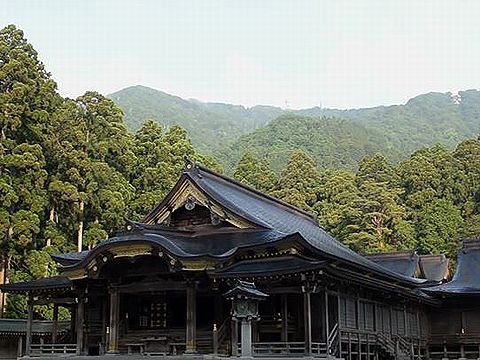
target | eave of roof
[
  {"x": 51, "y": 284},
  {"x": 401, "y": 262},
  {"x": 268, "y": 266},
  {"x": 215, "y": 246},
  {"x": 39, "y": 327}
]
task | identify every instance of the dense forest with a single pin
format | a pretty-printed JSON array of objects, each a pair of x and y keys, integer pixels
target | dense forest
[
  {"x": 335, "y": 138},
  {"x": 71, "y": 172}
]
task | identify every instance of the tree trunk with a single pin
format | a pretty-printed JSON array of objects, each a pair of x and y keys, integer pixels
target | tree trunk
[
  {"x": 3, "y": 280},
  {"x": 80, "y": 227},
  {"x": 52, "y": 221}
]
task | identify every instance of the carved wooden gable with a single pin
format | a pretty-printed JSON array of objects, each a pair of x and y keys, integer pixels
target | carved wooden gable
[{"x": 187, "y": 206}]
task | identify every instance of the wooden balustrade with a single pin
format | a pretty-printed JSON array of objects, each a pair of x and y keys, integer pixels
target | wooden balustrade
[
  {"x": 287, "y": 349},
  {"x": 52, "y": 349}
]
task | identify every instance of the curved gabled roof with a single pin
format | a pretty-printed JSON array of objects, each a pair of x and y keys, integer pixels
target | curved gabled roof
[
  {"x": 274, "y": 221},
  {"x": 402, "y": 262},
  {"x": 265, "y": 210},
  {"x": 466, "y": 280},
  {"x": 185, "y": 245}
]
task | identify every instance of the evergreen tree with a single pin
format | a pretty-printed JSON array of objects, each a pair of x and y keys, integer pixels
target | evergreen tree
[
  {"x": 255, "y": 173},
  {"x": 28, "y": 100},
  {"x": 337, "y": 199},
  {"x": 467, "y": 154},
  {"x": 160, "y": 158},
  {"x": 381, "y": 224},
  {"x": 434, "y": 182},
  {"x": 299, "y": 181}
]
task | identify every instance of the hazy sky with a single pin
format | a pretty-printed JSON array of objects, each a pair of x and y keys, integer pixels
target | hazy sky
[{"x": 331, "y": 53}]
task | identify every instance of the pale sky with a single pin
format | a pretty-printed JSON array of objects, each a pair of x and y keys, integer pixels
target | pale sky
[{"x": 337, "y": 54}]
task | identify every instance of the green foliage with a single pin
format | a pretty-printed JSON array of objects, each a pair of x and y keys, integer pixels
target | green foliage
[
  {"x": 299, "y": 181},
  {"x": 332, "y": 142},
  {"x": 394, "y": 131},
  {"x": 255, "y": 173},
  {"x": 160, "y": 160},
  {"x": 69, "y": 168},
  {"x": 208, "y": 125}
]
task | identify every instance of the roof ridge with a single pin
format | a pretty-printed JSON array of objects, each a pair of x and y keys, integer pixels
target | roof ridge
[
  {"x": 393, "y": 254},
  {"x": 193, "y": 167}
]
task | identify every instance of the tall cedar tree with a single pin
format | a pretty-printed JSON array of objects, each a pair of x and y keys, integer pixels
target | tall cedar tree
[
  {"x": 255, "y": 173},
  {"x": 298, "y": 183}
]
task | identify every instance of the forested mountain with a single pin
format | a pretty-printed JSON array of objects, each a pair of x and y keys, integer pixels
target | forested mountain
[
  {"x": 209, "y": 125},
  {"x": 395, "y": 130},
  {"x": 424, "y": 120},
  {"x": 333, "y": 142}
]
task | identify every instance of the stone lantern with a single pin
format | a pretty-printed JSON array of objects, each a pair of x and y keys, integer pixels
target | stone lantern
[{"x": 245, "y": 297}]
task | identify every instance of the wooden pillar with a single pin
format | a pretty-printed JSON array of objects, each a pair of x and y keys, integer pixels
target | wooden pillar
[
  {"x": 326, "y": 320},
  {"x": 339, "y": 327},
  {"x": 191, "y": 331},
  {"x": 28, "y": 338},
  {"x": 218, "y": 309},
  {"x": 103, "y": 347},
  {"x": 307, "y": 312},
  {"x": 114, "y": 320},
  {"x": 55, "y": 324},
  {"x": 284, "y": 314},
  {"x": 79, "y": 325}
]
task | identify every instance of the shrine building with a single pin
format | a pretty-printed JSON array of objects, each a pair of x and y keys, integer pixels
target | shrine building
[{"x": 219, "y": 269}]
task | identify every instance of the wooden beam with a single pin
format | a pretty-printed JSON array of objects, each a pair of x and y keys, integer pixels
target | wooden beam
[
  {"x": 234, "y": 337},
  {"x": 150, "y": 286},
  {"x": 55, "y": 323},
  {"x": 20, "y": 347},
  {"x": 59, "y": 301},
  {"x": 307, "y": 312},
  {"x": 284, "y": 336},
  {"x": 326, "y": 324},
  {"x": 114, "y": 319},
  {"x": 282, "y": 290},
  {"x": 79, "y": 325}
]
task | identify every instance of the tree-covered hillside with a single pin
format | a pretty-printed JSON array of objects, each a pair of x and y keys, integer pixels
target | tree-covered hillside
[
  {"x": 333, "y": 142},
  {"x": 395, "y": 130},
  {"x": 424, "y": 120},
  {"x": 209, "y": 125}
]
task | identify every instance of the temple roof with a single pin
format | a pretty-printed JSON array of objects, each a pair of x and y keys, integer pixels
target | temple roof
[
  {"x": 186, "y": 245},
  {"x": 269, "y": 220},
  {"x": 56, "y": 283},
  {"x": 274, "y": 214},
  {"x": 401, "y": 262},
  {"x": 69, "y": 258},
  {"x": 466, "y": 280},
  {"x": 430, "y": 267},
  {"x": 39, "y": 327}
]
